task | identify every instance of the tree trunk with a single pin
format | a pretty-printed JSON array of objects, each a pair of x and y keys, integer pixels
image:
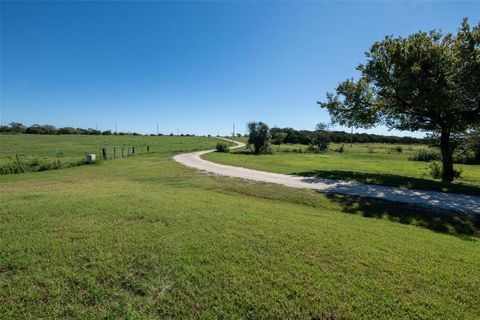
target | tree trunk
[{"x": 447, "y": 159}]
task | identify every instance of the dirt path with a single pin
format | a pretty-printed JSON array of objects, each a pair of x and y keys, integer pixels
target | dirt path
[{"x": 431, "y": 199}]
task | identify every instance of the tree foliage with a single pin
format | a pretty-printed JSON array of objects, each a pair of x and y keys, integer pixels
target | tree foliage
[
  {"x": 259, "y": 137},
  {"x": 278, "y": 137},
  {"x": 425, "y": 82},
  {"x": 16, "y": 127},
  {"x": 293, "y": 136},
  {"x": 321, "y": 138}
]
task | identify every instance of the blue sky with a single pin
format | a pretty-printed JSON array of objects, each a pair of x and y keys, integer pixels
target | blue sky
[{"x": 197, "y": 66}]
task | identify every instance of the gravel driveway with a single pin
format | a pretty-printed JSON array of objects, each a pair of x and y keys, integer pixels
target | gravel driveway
[{"x": 432, "y": 199}]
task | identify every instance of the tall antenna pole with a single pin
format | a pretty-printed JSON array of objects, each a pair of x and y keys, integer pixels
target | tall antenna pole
[{"x": 157, "y": 128}]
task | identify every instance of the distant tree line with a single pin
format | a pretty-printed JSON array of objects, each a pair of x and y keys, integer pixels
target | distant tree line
[
  {"x": 17, "y": 127},
  {"x": 307, "y": 137}
]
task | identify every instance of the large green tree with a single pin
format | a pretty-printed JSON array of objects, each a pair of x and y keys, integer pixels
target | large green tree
[
  {"x": 259, "y": 137},
  {"x": 425, "y": 82}
]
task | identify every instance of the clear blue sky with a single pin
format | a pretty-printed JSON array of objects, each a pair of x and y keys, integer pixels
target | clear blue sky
[{"x": 194, "y": 66}]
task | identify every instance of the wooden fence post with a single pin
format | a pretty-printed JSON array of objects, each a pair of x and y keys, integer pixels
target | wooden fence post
[
  {"x": 104, "y": 153},
  {"x": 148, "y": 148},
  {"x": 128, "y": 151},
  {"x": 133, "y": 151},
  {"x": 19, "y": 163},
  {"x": 122, "y": 151},
  {"x": 114, "y": 152}
]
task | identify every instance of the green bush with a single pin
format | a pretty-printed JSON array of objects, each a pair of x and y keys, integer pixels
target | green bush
[
  {"x": 278, "y": 137},
  {"x": 397, "y": 149},
  {"x": 316, "y": 148},
  {"x": 466, "y": 155},
  {"x": 340, "y": 149},
  {"x": 435, "y": 170},
  {"x": 426, "y": 155},
  {"x": 222, "y": 147}
]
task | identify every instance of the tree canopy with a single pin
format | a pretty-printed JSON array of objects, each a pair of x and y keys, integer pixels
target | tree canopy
[
  {"x": 427, "y": 81},
  {"x": 259, "y": 137}
]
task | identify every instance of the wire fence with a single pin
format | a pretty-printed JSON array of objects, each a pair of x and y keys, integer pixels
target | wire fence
[
  {"x": 42, "y": 160},
  {"x": 121, "y": 152},
  {"x": 22, "y": 163}
]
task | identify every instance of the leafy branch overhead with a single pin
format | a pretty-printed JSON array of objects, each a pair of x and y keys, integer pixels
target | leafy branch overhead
[{"x": 424, "y": 82}]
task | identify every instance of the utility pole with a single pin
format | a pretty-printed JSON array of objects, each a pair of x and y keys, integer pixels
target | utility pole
[{"x": 157, "y": 128}]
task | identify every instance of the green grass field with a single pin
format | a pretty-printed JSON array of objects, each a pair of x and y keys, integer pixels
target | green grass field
[
  {"x": 74, "y": 147},
  {"x": 368, "y": 163},
  {"x": 145, "y": 237},
  {"x": 47, "y": 152}
]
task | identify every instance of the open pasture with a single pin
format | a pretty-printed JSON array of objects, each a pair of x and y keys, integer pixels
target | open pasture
[{"x": 47, "y": 149}]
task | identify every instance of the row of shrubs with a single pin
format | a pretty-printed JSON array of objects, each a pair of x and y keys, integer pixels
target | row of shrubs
[
  {"x": 460, "y": 156},
  {"x": 314, "y": 149},
  {"x": 426, "y": 155}
]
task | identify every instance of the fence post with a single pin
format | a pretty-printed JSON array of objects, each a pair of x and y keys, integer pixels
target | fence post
[
  {"x": 104, "y": 153},
  {"x": 19, "y": 163},
  {"x": 128, "y": 151},
  {"x": 122, "y": 151},
  {"x": 114, "y": 152},
  {"x": 133, "y": 151},
  {"x": 58, "y": 160},
  {"x": 148, "y": 148}
]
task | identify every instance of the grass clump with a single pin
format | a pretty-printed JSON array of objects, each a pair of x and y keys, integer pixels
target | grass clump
[
  {"x": 340, "y": 149},
  {"x": 397, "y": 149},
  {"x": 435, "y": 170},
  {"x": 38, "y": 165},
  {"x": 426, "y": 155}
]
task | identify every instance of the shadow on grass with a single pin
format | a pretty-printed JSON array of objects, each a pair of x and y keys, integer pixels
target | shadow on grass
[
  {"x": 392, "y": 180},
  {"x": 248, "y": 152},
  {"x": 454, "y": 223}
]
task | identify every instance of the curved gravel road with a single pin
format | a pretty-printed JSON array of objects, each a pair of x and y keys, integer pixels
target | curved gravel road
[{"x": 431, "y": 199}]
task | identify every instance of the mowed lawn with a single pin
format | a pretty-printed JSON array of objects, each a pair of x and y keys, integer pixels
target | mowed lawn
[
  {"x": 368, "y": 163},
  {"x": 145, "y": 237}
]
